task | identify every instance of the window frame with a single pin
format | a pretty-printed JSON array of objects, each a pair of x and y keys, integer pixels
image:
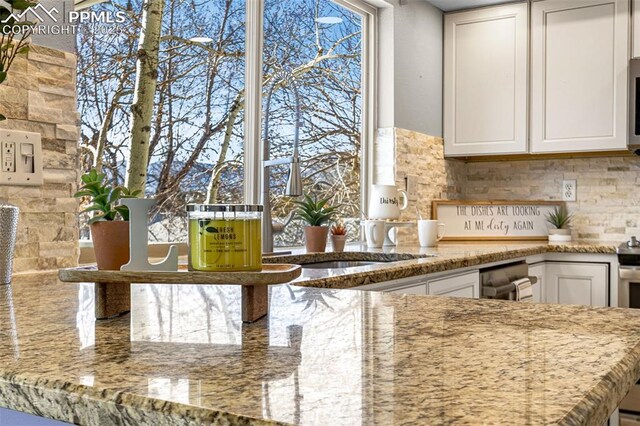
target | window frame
[{"x": 254, "y": 42}]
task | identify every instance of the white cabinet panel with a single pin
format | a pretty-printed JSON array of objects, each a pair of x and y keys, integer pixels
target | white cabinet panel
[
  {"x": 635, "y": 15},
  {"x": 485, "y": 81},
  {"x": 538, "y": 271},
  {"x": 579, "y": 65},
  {"x": 577, "y": 283},
  {"x": 417, "y": 289},
  {"x": 463, "y": 285}
]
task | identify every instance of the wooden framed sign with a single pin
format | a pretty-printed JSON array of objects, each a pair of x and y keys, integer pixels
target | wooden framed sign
[{"x": 494, "y": 220}]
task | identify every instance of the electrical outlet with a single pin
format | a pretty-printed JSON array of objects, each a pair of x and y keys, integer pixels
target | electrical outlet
[
  {"x": 9, "y": 149},
  {"x": 9, "y": 157},
  {"x": 569, "y": 190},
  {"x": 8, "y": 166},
  {"x": 20, "y": 158}
]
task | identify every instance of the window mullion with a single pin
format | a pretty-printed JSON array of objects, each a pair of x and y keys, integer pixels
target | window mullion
[{"x": 253, "y": 101}]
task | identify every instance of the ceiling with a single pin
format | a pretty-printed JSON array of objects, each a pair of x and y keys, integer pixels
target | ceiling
[{"x": 449, "y": 5}]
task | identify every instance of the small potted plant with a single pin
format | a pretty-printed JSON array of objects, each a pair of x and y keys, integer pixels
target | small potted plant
[
  {"x": 110, "y": 221},
  {"x": 560, "y": 219},
  {"x": 315, "y": 213},
  {"x": 338, "y": 237}
]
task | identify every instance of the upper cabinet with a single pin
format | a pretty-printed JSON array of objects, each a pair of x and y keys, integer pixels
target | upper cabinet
[
  {"x": 485, "y": 81},
  {"x": 579, "y": 60},
  {"x": 573, "y": 93}
]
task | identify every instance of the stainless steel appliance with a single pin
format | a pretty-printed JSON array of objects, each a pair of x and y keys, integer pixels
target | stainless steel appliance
[
  {"x": 634, "y": 106},
  {"x": 629, "y": 297},
  {"x": 498, "y": 282},
  {"x": 629, "y": 275}
]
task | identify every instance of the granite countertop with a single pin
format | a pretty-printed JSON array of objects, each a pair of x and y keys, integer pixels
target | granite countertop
[
  {"x": 322, "y": 356},
  {"x": 412, "y": 260}
]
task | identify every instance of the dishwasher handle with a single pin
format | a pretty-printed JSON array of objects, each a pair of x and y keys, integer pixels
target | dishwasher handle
[
  {"x": 489, "y": 291},
  {"x": 629, "y": 273}
]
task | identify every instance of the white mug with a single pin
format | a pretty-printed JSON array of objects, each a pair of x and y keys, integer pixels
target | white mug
[
  {"x": 384, "y": 202},
  {"x": 429, "y": 232},
  {"x": 374, "y": 233}
]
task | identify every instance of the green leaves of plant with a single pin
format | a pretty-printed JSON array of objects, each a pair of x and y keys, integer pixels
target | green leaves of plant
[
  {"x": 103, "y": 197},
  {"x": 560, "y": 217},
  {"x": 314, "y": 212}
]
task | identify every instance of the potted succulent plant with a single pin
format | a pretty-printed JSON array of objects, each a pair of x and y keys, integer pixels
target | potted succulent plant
[
  {"x": 338, "y": 237},
  {"x": 110, "y": 221},
  {"x": 560, "y": 219},
  {"x": 315, "y": 213}
]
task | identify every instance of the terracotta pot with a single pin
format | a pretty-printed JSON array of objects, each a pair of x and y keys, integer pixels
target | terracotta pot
[
  {"x": 111, "y": 244},
  {"x": 315, "y": 238},
  {"x": 338, "y": 242}
]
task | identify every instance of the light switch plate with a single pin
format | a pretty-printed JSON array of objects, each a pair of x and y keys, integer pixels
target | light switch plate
[
  {"x": 569, "y": 190},
  {"x": 21, "y": 158},
  {"x": 412, "y": 187}
]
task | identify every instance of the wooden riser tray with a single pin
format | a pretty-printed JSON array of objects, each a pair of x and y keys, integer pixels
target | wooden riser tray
[
  {"x": 271, "y": 274},
  {"x": 255, "y": 304}
]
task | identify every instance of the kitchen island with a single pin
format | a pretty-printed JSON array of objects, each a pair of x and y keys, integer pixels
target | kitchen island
[{"x": 323, "y": 356}]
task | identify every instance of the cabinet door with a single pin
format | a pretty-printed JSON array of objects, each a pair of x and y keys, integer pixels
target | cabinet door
[
  {"x": 464, "y": 285},
  {"x": 579, "y": 62},
  {"x": 577, "y": 283},
  {"x": 416, "y": 289},
  {"x": 538, "y": 270},
  {"x": 485, "y": 81}
]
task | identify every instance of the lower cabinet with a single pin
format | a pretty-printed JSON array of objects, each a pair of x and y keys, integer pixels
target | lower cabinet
[
  {"x": 538, "y": 270},
  {"x": 466, "y": 284},
  {"x": 571, "y": 283},
  {"x": 411, "y": 289},
  {"x": 463, "y": 285},
  {"x": 577, "y": 283}
]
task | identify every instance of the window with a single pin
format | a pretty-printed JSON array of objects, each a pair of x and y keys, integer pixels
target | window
[
  {"x": 313, "y": 68},
  {"x": 197, "y": 132},
  {"x": 197, "y": 127}
]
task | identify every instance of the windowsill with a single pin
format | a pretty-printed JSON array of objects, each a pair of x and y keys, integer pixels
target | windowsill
[{"x": 160, "y": 250}]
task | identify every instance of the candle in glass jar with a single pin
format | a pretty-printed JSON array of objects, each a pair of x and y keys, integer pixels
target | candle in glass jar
[{"x": 225, "y": 237}]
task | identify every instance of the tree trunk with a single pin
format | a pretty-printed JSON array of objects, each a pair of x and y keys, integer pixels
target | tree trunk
[
  {"x": 145, "y": 89},
  {"x": 214, "y": 183}
]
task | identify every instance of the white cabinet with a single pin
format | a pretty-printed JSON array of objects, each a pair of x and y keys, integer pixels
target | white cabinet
[
  {"x": 579, "y": 60},
  {"x": 538, "y": 270},
  {"x": 462, "y": 285},
  {"x": 485, "y": 81},
  {"x": 455, "y": 284},
  {"x": 635, "y": 16},
  {"x": 577, "y": 283},
  {"x": 410, "y": 289}
]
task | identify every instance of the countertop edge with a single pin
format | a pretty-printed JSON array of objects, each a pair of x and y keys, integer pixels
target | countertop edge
[
  {"x": 607, "y": 394},
  {"x": 37, "y": 396},
  {"x": 425, "y": 266}
]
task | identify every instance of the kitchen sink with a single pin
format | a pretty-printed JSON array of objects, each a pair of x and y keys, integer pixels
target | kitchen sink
[{"x": 340, "y": 264}]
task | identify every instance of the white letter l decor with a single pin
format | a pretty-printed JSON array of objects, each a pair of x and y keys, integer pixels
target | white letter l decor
[{"x": 139, "y": 239}]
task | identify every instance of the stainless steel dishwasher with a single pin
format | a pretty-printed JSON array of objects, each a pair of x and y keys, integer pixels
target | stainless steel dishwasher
[{"x": 498, "y": 282}]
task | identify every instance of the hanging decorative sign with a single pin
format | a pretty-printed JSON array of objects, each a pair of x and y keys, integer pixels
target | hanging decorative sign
[{"x": 494, "y": 220}]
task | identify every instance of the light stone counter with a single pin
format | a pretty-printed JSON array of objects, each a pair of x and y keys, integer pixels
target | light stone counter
[
  {"x": 323, "y": 356},
  {"x": 422, "y": 261}
]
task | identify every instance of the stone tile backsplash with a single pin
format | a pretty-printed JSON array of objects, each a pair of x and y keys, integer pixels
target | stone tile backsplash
[
  {"x": 40, "y": 96},
  {"x": 420, "y": 157},
  {"x": 608, "y": 188}
]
